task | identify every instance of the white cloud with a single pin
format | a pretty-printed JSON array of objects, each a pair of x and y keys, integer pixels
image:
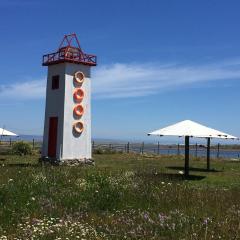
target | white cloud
[
  {"x": 25, "y": 90},
  {"x": 134, "y": 80}
]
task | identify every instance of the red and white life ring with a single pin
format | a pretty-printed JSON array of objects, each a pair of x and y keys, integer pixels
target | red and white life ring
[
  {"x": 79, "y": 77},
  {"x": 78, "y": 127},
  {"x": 78, "y": 110},
  {"x": 78, "y": 94}
]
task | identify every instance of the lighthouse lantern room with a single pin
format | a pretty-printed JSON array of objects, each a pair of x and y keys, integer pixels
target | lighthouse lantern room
[{"x": 67, "y": 127}]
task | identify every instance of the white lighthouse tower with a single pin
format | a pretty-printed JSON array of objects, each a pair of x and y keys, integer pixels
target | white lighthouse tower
[{"x": 67, "y": 127}]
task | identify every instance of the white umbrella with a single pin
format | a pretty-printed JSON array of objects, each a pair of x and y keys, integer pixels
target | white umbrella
[
  {"x": 4, "y": 132},
  {"x": 189, "y": 129}
]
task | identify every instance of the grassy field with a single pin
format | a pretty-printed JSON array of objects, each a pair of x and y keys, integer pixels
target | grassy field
[{"x": 124, "y": 196}]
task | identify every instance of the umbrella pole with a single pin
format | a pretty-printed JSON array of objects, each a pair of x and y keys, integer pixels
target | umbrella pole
[
  {"x": 2, "y": 134},
  {"x": 186, "y": 168},
  {"x": 208, "y": 154}
]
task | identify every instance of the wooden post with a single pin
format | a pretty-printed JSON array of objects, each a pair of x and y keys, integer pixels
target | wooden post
[
  {"x": 218, "y": 150},
  {"x": 196, "y": 148},
  {"x": 10, "y": 142},
  {"x": 33, "y": 143},
  {"x": 178, "y": 149},
  {"x": 158, "y": 149},
  {"x": 128, "y": 147},
  {"x": 186, "y": 168},
  {"x": 208, "y": 154},
  {"x": 142, "y": 147},
  {"x": 93, "y": 146}
]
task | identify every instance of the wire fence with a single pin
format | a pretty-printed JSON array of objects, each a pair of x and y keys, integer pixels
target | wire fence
[
  {"x": 196, "y": 150},
  {"x": 7, "y": 144}
]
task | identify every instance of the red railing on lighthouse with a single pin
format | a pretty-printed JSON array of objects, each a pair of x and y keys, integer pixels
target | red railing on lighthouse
[{"x": 68, "y": 52}]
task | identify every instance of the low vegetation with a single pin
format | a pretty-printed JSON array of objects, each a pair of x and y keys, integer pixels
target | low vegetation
[
  {"x": 124, "y": 196},
  {"x": 106, "y": 151},
  {"x": 22, "y": 148}
]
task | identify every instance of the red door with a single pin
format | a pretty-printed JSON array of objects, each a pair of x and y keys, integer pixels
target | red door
[{"x": 52, "y": 137}]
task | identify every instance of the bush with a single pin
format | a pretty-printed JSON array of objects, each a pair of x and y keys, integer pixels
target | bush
[
  {"x": 98, "y": 151},
  {"x": 22, "y": 148},
  {"x": 105, "y": 151}
]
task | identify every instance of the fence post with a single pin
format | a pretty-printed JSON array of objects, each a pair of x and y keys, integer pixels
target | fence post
[
  {"x": 33, "y": 143},
  {"x": 208, "y": 153},
  {"x": 128, "y": 146},
  {"x": 93, "y": 146},
  {"x": 196, "y": 149},
  {"x": 110, "y": 146},
  {"x": 142, "y": 147},
  {"x": 178, "y": 149},
  {"x": 10, "y": 142},
  {"x": 158, "y": 150},
  {"x": 218, "y": 149}
]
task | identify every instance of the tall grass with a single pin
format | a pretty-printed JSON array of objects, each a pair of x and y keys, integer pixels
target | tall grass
[{"x": 125, "y": 196}]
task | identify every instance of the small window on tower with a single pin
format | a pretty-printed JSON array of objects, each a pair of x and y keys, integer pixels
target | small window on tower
[{"x": 55, "y": 82}]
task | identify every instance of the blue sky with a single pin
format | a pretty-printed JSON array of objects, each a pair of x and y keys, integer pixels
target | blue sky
[{"x": 159, "y": 62}]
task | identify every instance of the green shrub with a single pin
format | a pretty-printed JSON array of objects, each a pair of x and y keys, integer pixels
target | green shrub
[
  {"x": 105, "y": 151},
  {"x": 22, "y": 148},
  {"x": 98, "y": 151}
]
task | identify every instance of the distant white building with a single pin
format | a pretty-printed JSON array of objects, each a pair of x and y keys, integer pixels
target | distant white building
[{"x": 67, "y": 127}]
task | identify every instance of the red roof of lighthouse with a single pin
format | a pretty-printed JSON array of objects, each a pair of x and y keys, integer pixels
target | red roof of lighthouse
[{"x": 69, "y": 52}]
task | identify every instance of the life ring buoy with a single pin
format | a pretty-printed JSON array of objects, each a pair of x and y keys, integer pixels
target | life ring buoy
[
  {"x": 78, "y": 127},
  {"x": 78, "y": 110},
  {"x": 79, "y": 77},
  {"x": 78, "y": 94}
]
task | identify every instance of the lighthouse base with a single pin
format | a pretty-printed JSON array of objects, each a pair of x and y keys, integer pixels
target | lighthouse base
[
  {"x": 67, "y": 162},
  {"x": 76, "y": 162}
]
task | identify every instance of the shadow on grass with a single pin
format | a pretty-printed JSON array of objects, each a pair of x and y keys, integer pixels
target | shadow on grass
[
  {"x": 21, "y": 165},
  {"x": 169, "y": 177},
  {"x": 193, "y": 169},
  {"x": 4, "y": 153},
  {"x": 180, "y": 177}
]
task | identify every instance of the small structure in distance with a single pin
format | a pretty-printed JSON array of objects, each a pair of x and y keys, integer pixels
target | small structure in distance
[
  {"x": 189, "y": 129},
  {"x": 4, "y": 133}
]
